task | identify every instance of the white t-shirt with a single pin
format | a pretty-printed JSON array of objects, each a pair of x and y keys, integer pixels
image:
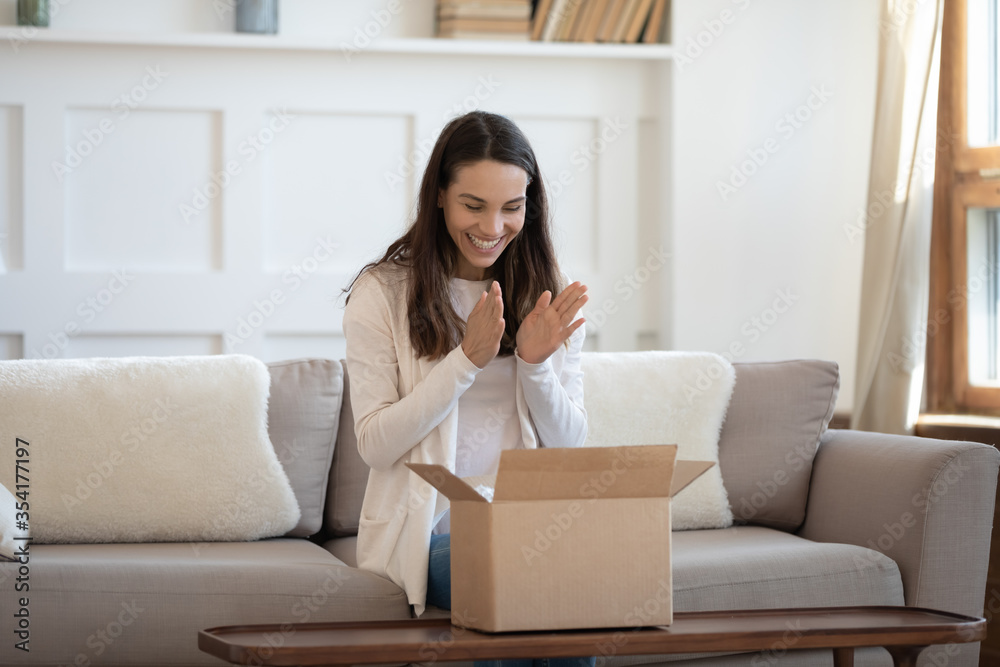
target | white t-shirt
[{"x": 487, "y": 412}]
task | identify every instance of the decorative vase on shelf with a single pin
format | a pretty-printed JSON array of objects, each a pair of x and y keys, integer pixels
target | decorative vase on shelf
[
  {"x": 259, "y": 16},
  {"x": 33, "y": 12}
]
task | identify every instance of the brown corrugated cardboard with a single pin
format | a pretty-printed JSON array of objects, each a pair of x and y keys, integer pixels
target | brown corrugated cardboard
[{"x": 574, "y": 538}]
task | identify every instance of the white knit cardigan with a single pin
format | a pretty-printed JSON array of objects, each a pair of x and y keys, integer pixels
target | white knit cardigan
[{"x": 405, "y": 409}]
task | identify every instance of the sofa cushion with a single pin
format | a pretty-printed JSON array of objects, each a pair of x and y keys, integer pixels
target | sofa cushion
[
  {"x": 348, "y": 476},
  {"x": 657, "y": 397},
  {"x": 146, "y": 449},
  {"x": 753, "y": 567},
  {"x": 132, "y": 604},
  {"x": 303, "y": 413},
  {"x": 778, "y": 412},
  {"x": 344, "y": 548}
]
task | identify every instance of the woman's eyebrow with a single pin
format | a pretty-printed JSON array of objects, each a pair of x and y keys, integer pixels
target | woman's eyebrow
[{"x": 483, "y": 201}]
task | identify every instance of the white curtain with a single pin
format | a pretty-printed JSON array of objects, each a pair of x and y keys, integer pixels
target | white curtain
[{"x": 893, "y": 327}]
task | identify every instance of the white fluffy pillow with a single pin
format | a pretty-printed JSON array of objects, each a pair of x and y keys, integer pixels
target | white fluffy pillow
[
  {"x": 145, "y": 449},
  {"x": 665, "y": 398}
]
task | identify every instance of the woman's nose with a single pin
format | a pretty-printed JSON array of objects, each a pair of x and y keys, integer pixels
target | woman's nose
[{"x": 494, "y": 226}]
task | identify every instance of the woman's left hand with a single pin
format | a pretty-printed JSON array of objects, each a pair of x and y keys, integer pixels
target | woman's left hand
[{"x": 549, "y": 325}]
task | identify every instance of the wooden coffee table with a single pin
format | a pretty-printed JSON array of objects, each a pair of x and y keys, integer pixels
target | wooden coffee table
[{"x": 903, "y": 631}]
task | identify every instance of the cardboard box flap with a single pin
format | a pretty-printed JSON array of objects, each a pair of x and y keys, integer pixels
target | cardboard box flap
[
  {"x": 444, "y": 481},
  {"x": 686, "y": 472},
  {"x": 642, "y": 471}
]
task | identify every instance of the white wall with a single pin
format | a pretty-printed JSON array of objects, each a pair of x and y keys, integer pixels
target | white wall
[
  {"x": 153, "y": 101},
  {"x": 653, "y": 190},
  {"x": 782, "y": 231}
]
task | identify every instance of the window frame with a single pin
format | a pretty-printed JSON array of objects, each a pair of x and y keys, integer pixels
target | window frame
[
  {"x": 958, "y": 185},
  {"x": 967, "y": 159}
]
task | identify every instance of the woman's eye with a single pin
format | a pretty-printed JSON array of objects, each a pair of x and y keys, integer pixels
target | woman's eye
[
  {"x": 514, "y": 209},
  {"x": 473, "y": 208}
]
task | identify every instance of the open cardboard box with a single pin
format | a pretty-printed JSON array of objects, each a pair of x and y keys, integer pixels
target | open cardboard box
[{"x": 574, "y": 538}]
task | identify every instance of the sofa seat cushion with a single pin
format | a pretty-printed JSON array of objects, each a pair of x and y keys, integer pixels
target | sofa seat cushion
[
  {"x": 128, "y": 604},
  {"x": 344, "y": 548},
  {"x": 753, "y": 567}
]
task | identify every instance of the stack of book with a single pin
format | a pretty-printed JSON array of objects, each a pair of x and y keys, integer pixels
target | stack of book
[
  {"x": 626, "y": 21},
  {"x": 484, "y": 19}
]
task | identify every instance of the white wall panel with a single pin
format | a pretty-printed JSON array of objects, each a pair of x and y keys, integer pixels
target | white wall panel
[
  {"x": 327, "y": 179},
  {"x": 291, "y": 346},
  {"x": 146, "y": 345},
  {"x": 562, "y": 148},
  {"x": 258, "y": 267},
  {"x": 126, "y": 185},
  {"x": 11, "y": 189}
]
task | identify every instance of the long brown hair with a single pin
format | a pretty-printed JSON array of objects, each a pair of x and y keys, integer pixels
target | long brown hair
[{"x": 526, "y": 268}]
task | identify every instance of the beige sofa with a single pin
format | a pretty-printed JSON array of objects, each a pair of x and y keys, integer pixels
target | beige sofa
[{"x": 824, "y": 518}]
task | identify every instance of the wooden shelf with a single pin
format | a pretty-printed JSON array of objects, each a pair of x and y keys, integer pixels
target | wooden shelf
[{"x": 410, "y": 46}]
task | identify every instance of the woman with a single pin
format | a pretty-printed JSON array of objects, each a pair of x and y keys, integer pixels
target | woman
[{"x": 457, "y": 349}]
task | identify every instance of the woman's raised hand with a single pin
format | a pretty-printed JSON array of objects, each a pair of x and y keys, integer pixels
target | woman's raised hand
[
  {"x": 484, "y": 328},
  {"x": 548, "y": 325}
]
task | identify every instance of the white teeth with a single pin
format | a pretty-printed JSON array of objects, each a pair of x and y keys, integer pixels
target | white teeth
[{"x": 482, "y": 245}]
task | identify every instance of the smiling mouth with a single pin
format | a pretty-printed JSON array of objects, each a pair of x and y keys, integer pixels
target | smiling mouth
[{"x": 484, "y": 245}]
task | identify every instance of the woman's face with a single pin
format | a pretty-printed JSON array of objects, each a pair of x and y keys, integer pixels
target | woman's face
[{"x": 484, "y": 211}]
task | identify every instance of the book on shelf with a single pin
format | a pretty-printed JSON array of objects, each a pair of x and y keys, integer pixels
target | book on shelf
[
  {"x": 538, "y": 18},
  {"x": 595, "y": 20},
  {"x": 582, "y": 21},
  {"x": 569, "y": 21},
  {"x": 455, "y": 9},
  {"x": 483, "y": 25},
  {"x": 554, "y": 19},
  {"x": 638, "y": 21},
  {"x": 484, "y": 19},
  {"x": 624, "y": 21},
  {"x": 610, "y": 20},
  {"x": 657, "y": 18}
]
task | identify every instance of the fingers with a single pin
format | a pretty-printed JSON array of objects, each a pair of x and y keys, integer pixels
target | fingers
[
  {"x": 495, "y": 300},
  {"x": 568, "y": 330},
  {"x": 569, "y": 295},
  {"x": 484, "y": 328},
  {"x": 490, "y": 302},
  {"x": 543, "y": 300},
  {"x": 570, "y": 301}
]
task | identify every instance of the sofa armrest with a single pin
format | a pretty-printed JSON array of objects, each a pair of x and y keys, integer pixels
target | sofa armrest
[{"x": 927, "y": 504}]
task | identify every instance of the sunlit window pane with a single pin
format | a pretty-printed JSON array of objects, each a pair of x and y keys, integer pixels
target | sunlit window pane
[
  {"x": 983, "y": 72},
  {"x": 983, "y": 293}
]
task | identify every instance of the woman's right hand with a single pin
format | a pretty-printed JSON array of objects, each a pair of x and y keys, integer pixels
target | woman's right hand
[{"x": 484, "y": 328}]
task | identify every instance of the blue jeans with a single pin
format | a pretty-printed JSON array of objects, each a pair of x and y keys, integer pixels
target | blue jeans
[{"x": 439, "y": 595}]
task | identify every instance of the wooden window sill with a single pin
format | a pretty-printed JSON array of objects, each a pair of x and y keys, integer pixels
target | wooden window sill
[{"x": 960, "y": 427}]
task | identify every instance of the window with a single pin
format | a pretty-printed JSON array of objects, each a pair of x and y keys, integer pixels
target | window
[{"x": 963, "y": 327}]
